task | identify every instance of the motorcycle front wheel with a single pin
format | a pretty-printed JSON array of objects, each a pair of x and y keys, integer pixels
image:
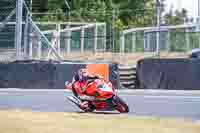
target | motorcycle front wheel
[{"x": 121, "y": 106}]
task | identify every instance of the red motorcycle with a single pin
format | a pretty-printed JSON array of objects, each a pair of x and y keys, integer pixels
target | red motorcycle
[{"x": 106, "y": 98}]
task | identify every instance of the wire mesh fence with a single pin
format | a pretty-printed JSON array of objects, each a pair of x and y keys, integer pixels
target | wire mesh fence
[
  {"x": 171, "y": 39},
  {"x": 58, "y": 35},
  {"x": 7, "y": 30},
  {"x": 65, "y": 39}
]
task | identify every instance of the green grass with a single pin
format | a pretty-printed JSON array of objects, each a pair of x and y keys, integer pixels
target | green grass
[{"x": 37, "y": 122}]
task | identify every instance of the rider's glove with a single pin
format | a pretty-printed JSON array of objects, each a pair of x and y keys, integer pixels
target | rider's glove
[{"x": 68, "y": 85}]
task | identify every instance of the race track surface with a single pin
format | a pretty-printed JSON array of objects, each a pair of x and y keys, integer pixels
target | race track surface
[{"x": 178, "y": 106}]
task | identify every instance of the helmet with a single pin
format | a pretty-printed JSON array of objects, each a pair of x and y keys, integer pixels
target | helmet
[{"x": 83, "y": 74}]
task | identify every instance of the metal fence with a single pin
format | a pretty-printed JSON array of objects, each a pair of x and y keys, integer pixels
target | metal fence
[
  {"x": 178, "y": 38},
  {"x": 29, "y": 38},
  {"x": 28, "y": 35},
  {"x": 7, "y": 29},
  {"x": 62, "y": 39}
]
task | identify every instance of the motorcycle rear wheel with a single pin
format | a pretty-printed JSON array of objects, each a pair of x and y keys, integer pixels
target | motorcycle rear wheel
[{"x": 121, "y": 106}]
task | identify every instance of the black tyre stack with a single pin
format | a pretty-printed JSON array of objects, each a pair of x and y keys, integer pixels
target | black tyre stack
[{"x": 128, "y": 77}]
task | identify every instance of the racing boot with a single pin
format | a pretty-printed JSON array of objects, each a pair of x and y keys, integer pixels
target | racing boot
[{"x": 84, "y": 105}]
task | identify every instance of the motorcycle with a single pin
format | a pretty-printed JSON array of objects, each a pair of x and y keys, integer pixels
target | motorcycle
[{"x": 106, "y": 98}]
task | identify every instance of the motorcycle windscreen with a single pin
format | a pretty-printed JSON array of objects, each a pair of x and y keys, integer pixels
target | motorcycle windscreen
[
  {"x": 104, "y": 90},
  {"x": 100, "y": 90},
  {"x": 105, "y": 87}
]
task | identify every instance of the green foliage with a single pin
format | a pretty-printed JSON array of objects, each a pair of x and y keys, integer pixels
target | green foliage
[
  {"x": 118, "y": 14},
  {"x": 126, "y": 12},
  {"x": 177, "y": 41},
  {"x": 40, "y": 5},
  {"x": 175, "y": 18},
  {"x": 178, "y": 36}
]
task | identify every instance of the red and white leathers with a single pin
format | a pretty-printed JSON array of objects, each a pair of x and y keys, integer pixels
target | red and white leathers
[{"x": 79, "y": 84}]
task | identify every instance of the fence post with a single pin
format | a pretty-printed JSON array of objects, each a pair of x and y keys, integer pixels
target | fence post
[
  {"x": 95, "y": 38},
  {"x": 39, "y": 49},
  {"x": 187, "y": 39},
  {"x": 26, "y": 33},
  {"x": 198, "y": 25},
  {"x": 158, "y": 4},
  {"x": 145, "y": 41},
  {"x": 104, "y": 37},
  {"x": 198, "y": 35},
  {"x": 58, "y": 38},
  {"x": 31, "y": 46},
  {"x": 149, "y": 46},
  {"x": 82, "y": 39},
  {"x": 122, "y": 42},
  {"x": 68, "y": 39},
  {"x": 133, "y": 42},
  {"x": 18, "y": 28},
  {"x": 168, "y": 41}
]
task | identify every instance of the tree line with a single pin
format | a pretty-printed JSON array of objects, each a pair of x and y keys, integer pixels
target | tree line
[
  {"x": 118, "y": 14},
  {"x": 121, "y": 13}
]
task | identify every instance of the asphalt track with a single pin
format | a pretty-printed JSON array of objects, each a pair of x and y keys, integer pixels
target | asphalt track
[{"x": 144, "y": 104}]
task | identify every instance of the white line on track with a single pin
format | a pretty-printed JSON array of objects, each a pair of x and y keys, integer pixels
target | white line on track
[
  {"x": 165, "y": 97},
  {"x": 127, "y": 93}
]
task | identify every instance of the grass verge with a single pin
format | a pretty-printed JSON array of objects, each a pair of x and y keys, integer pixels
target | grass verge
[{"x": 37, "y": 122}]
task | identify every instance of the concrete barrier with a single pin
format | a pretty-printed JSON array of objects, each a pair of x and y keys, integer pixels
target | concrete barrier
[
  {"x": 171, "y": 74},
  {"x": 50, "y": 74}
]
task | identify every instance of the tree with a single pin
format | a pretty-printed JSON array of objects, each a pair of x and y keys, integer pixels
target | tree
[
  {"x": 129, "y": 12},
  {"x": 177, "y": 39},
  {"x": 136, "y": 12},
  {"x": 175, "y": 18},
  {"x": 40, "y": 5},
  {"x": 118, "y": 14}
]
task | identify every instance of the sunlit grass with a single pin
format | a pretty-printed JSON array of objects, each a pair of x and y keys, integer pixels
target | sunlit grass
[{"x": 37, "y": 122}]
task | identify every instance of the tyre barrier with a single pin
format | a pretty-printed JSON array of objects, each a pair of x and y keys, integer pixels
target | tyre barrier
[
  {"x": 34, "y": 74},
  {"x": 128, "y": 77}
]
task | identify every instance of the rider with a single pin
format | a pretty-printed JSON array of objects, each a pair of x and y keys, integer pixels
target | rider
[{"x": 83, "y": 77}]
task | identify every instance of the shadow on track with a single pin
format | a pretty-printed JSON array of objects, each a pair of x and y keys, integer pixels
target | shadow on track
[{"x": 99, "y": 112}]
